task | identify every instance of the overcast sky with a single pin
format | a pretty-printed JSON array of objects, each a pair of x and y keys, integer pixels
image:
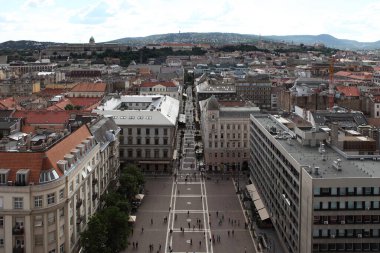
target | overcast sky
[{"x": 78, "y": 20}]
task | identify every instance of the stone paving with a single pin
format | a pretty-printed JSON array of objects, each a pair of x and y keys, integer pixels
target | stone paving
[{"x": 186, "y": 213}]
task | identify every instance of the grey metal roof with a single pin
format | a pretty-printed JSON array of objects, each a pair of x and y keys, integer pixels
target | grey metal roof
[{"x": 310, "y": 156}]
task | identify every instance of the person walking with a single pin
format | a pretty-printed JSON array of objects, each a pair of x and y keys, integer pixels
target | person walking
[
  {"x": 151, "y": 221},
  {"x": 142, "y": 229}
]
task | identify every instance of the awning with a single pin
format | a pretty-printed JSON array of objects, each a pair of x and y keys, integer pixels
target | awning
[
  {"x": 263, "y": 214},
  {"x": 139, "y": 196},
  {"x": 259, "y": 204},
  {"x": 175, "y": 154},
  {"x": 132, "y": 218},
  {"x": 89, "y": 168},
  {"x": 84, "y": 175}
]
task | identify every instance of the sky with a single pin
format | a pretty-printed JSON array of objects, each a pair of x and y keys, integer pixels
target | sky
[{"x": 77, "y": 20}]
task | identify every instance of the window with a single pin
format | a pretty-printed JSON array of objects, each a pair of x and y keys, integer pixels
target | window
[
  {"x": 156, "y": 141},
  {"x": 4, "y": 176},
  {"x": 38, "y": 240},
  {"x": 1, "y": 221},
  {"x": 38, "y": 201},
  {"x": 129, "y": 131},
  {"x": 147, "y": 153},
  {"x": 62, "y": 212},
  {"x": 147, "y": 141},
  {"x": 165, "y": 141},
  {"x": 165, "y": 131},
  {"x": 38, "y": 221},
  {"x": 50, "y": 198},
  {"x": 18, "y": 203},
  {"x": 61, "y": 193},
  {"x": 156, "y": 153},
  {"x": 156, "y": 131},
  {"x": 138, "y": 153},
  {"x": 51, "y": 237},
  {"x": 51, "y": 218},
  {"x": 138, "y": 131},
  {"x": 21, "y": 177},
  {"x": 138, "y": 139},
  {"x": 62, "y": 248},
  {"x": 147, "y": 131},
  {"x": 165, "y": 153}
]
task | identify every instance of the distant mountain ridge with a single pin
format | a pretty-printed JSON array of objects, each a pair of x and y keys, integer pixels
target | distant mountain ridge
[
  {"x": 327, "y": 40},
  {"x": 215, "y": 38},
  {"x": 235, "y": 38}
]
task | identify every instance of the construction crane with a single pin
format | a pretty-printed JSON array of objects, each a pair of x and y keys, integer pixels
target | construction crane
[{"x": 331, "y": 83}]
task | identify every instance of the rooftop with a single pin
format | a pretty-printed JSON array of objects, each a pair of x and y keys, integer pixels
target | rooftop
[
  {"x": 141, "y": 110},
  {"x": 311, "y": 157}
]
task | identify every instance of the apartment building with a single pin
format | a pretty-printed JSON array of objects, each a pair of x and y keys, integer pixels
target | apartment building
[
  {"x": 258, "y": 93},
  {"x": 319, "y": 197},
  {"x": 48, "y": 192},
  {"x": 170, "y": 89},
  {"x": 148, "y": 129},
  {"x": 225, "y": 132}
]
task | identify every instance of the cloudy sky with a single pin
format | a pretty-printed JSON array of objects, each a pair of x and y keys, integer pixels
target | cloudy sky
[{"x": 78, "y": 20}]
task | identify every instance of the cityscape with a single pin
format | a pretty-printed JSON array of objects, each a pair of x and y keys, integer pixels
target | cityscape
[{"x": 234, "y": 140}]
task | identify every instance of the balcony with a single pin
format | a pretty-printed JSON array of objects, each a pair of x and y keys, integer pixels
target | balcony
[
  {"x": 17, "y": 230},
  {"x": 79, "y": 203},
  {"x": 18, "y": 249},
  {"x": 80, "y": 219}
]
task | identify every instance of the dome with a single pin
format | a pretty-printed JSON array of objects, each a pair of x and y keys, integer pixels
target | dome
[{"x": 92, "y": 40}]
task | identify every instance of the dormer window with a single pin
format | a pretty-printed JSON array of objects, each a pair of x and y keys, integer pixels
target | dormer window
[
  {"x": 22, "y": 177},
  {"x": 4, "y": 176},
  {"x": 48, "y": 175}
]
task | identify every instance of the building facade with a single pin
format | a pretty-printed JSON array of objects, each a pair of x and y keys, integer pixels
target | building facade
[
  {"x": 149, "y": 126},
  {"x": 225, "y": 133},
  {"x": 47, "y": 196},
  {"x": 319, "y": 198},
  {"x": 162, "y": 88}
]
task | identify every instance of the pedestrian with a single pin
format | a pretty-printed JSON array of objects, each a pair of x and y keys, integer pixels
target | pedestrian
[
  {"x": 233, "y": 232},
  {"x": 191, "y": 241},
  {"x": 188, "y": 224},
  {"x": 193, "y": 227},
  {"x": 228, "y": 233},
  {"x": 188, "y": 213},
  {"x": 200, "y": 243},
  {"x": 151, "y": 221},
  {"x": 178, "y": 192},
  {"x": 217, "y": 214},
  {"x": 132, "y": 231},
  {"x": 137, "y": 244},
  {"x": 133, "y": 244},
  {"x": 170, "y": 208},
  {"x": 159, "y": 247},
  {"x": 245, "y": 249},
  {"x": 142, "y": 229}
]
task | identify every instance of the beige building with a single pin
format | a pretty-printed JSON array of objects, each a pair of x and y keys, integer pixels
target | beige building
[
  {"x": 48, "y": 195},
  {"x": 225, "y": 133},
  {"x": 149, "y": 127},
  {"x": 88, "y": 90},
  {"x": 320, "y": 198},
  {"x": 171, "y": 89}
]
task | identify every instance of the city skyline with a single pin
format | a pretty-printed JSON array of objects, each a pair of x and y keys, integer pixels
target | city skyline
[{"x": 69, "y": 21}]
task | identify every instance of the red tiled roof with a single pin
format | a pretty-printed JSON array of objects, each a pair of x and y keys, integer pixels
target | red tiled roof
[
  {"x": 8, "y": 103},
  {"x": 60, "y": 106},
  {"x": 39, "y": 161},
  {"x": 152, "y": 84},
  {"x": 349, "y": 91},
  {"x": 89, "y": 87},
  {"x": 43, "y": 117},
  {"x": 85, "y": 102}
]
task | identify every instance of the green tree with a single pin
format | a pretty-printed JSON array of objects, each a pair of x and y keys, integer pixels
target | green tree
[
  {"x": 118, "y": 228},
  {"x": 129, "y": 186},
  {"x": 69, "y": 107},
  {"x": 136, "y": 172},
  {"x": 116, "y": 199},
  {"x": 94, "y": 238}
]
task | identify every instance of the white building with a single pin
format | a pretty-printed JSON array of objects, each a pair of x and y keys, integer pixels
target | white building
[
  {"x": 170, "y": 89},
  {"x": 47, "y": 195},
  {"x": 149, "y": 126}
]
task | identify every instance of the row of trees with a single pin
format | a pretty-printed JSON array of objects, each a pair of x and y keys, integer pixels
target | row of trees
[{"x": 108, "y": 230}]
